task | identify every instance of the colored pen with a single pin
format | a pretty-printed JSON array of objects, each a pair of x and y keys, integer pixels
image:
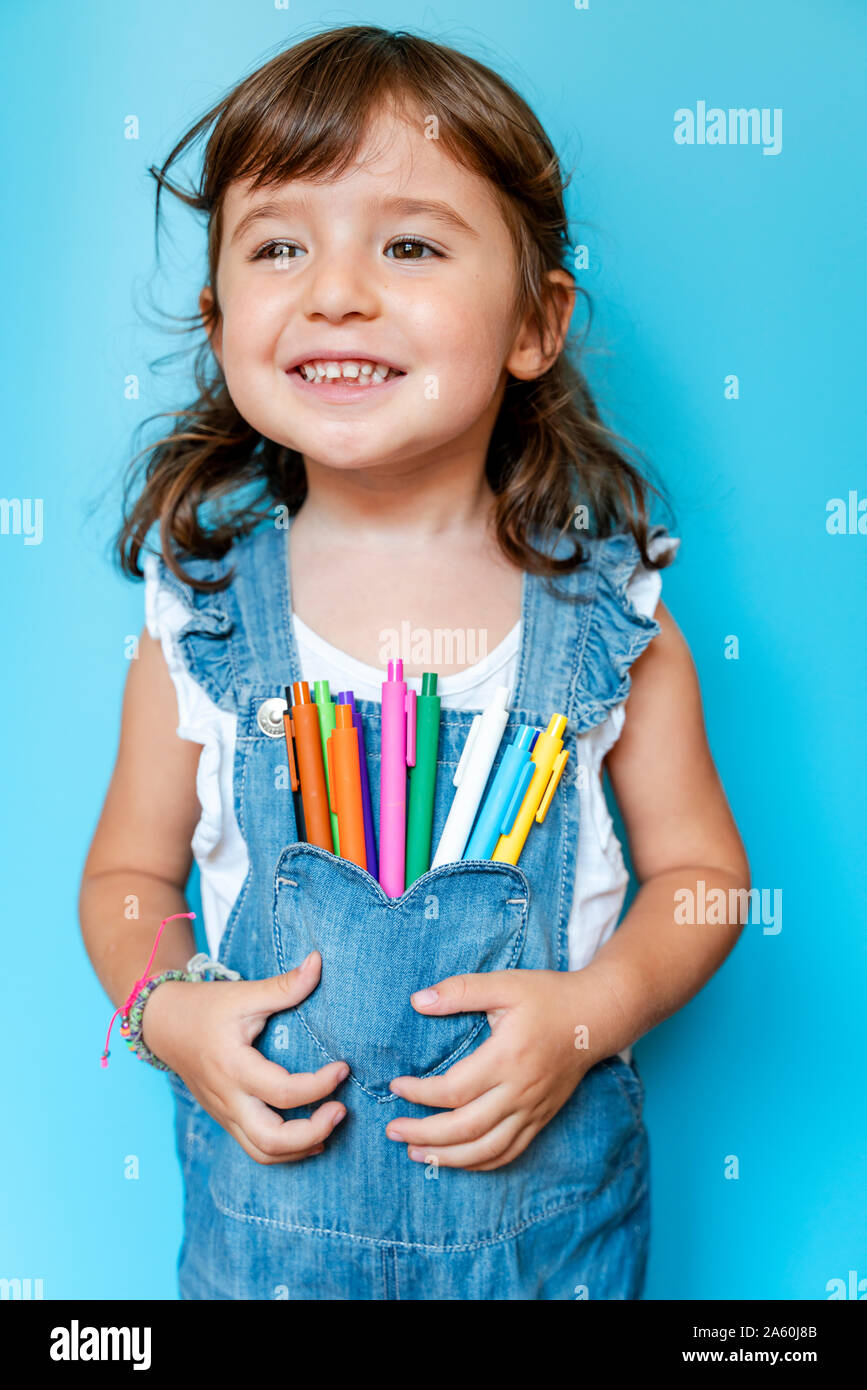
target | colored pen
[
  {"x": 345, "y": 772},
  {"x": 507, "y": 791},
  {"x": 327, "y": 720},
  {"x": 422, "y": 779},
  {"x": 475, "y": 763},
  {"x": 398, "y": 753},
  {"x": 345, "y": 697},
  {"x": 301, "y": 724},
  {"x": 550, "y": 761}
]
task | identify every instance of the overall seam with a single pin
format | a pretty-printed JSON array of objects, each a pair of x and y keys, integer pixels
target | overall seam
[{"x": 455, "y": 1248}]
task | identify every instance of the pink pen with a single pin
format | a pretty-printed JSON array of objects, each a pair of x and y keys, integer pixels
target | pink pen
[{"x": 398, "y": 753}]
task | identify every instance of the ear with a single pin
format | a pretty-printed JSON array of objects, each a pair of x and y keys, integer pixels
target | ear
[
  {"x": 530, "y": 355},
  {"x": 213, "y": 321}
]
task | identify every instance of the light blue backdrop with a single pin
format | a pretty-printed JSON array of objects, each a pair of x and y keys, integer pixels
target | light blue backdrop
[{"x": 704, "y": 261}]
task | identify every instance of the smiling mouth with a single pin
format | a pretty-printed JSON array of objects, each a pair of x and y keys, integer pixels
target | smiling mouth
[{"x": 359, "y": 372}]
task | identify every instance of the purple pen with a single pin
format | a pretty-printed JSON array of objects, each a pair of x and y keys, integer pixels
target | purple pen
[{"x": 346, "y": 697}]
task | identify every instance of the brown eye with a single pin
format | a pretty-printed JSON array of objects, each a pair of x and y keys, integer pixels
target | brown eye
[
  {"x": 411, "y": 249},
  {"x": 286, "y": 250}
]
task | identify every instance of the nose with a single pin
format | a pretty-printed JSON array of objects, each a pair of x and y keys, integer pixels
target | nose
[{"x": 340, "y": 286}]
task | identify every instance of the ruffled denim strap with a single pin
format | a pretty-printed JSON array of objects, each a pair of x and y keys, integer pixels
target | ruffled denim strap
[
  {"x": 205, "y": 640},
  {"x": 615, "y": 633}
]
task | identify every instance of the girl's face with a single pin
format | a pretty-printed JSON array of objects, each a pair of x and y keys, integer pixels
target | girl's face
[{"x": 403, "y": 264}]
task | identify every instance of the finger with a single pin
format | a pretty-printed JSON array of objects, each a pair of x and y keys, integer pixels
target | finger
[
  {"x": 280, "y": 1138},
  {"x": 493, "y": 989},
  {"x": 517, "y": 1146},
  {"x": 279, "y": 992},
  {"x": 235, "y": 1130},
  {"x": 462, "y": 1083},
  {"x": 459, "y": 1126},
  {"x": 486, "y": 1150},
  {"x": 275, "y": 1085}
]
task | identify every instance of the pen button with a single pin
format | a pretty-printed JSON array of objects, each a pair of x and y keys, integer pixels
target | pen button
[{"x": 269, "y": 716}]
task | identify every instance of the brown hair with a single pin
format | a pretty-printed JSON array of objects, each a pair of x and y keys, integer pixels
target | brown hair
[{"x": 303, "y": 114}]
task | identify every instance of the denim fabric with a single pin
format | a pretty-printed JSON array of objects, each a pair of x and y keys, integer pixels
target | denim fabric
[{"x": 569, "y": 1217}]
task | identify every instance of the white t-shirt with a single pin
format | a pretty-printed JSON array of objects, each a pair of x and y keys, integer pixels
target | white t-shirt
[{"x": 218, "y": 847}]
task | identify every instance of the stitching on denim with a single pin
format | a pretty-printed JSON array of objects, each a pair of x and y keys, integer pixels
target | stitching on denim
[
  {"x": 497, "y": 868},
  {"x": 613, "y": 1070},
  {"x": 458, "y": 1051},
  {"x": 549, "y": 1214},
  {"x": 237, "y": 908}
]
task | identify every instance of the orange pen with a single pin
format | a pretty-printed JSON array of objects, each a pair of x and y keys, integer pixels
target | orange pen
[
  {"x": 302, "y": 725},
  {"x": 344, "y": 772}
]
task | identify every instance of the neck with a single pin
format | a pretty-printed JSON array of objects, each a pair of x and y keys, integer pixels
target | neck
[{"x": 413, "y": 502}]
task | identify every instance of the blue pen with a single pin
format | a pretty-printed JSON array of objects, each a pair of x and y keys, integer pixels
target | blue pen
[
  {"x": 346, "y": 697},
  {"x": 503, "y": 801}
]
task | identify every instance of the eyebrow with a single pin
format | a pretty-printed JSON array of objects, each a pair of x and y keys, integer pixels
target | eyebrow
[{"x": 403, "y": 207}]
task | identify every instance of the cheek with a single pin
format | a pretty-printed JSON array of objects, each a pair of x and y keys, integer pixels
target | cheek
[
  {"x": 251, "y": 328},
  {"x": 469, "y": 336}
]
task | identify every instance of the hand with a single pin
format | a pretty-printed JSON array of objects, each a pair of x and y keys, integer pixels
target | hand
[
  {"x": 500, "y": 1096},
  {"x": 205, "y": 1032}
]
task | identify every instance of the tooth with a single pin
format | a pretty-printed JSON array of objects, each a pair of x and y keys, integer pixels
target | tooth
[
  {"x": 332, "y": 369},
  {"x": 380, "y": 372},
  {"x": 320, "y": 368},
  {"x": 350, "y": 369},
  {"x": 309, "y": 371},
  {"x": 366, "y": 368}
]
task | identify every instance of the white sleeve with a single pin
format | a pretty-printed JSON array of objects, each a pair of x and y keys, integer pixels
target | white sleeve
[
  {"x": 199, "y": 719},
  {"x": 165, "y": 615}
]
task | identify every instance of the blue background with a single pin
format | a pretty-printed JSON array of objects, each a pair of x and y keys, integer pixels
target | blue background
[{"x": 704, "y": 261}]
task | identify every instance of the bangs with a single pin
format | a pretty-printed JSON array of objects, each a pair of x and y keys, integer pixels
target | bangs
[{"x": 313, "y": 120}]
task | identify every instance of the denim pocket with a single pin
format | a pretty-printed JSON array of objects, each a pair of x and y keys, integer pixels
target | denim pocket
[{"x": 376, "y": 951}]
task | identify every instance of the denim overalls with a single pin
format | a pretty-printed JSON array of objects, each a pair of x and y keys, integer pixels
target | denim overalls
[{"x": 566, "y": 1219}]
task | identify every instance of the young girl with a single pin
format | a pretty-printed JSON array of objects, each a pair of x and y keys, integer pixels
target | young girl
[{"x": 430, "y": 1096}]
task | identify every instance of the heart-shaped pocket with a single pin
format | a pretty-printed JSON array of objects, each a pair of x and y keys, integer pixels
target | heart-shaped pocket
[{"x": 376, "y": 951}]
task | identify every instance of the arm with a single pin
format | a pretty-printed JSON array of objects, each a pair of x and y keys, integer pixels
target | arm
[
  {"x": 141, "y": 856},
  {"x": 139, "y": 859},
  {"x": 680, "y": 829}
]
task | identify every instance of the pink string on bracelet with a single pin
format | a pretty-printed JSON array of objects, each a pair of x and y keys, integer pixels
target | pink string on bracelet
[{"x": 139, "y": 984}]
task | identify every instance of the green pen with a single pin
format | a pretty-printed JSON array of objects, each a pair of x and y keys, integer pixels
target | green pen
[
  {"x": 327, "y": 720},
  {"x": 422, "y": 779}
]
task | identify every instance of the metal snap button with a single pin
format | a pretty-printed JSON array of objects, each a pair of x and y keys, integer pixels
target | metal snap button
[{"x": 269, "y": 716}]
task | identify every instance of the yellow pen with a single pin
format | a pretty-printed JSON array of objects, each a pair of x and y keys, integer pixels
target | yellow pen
[{"x": 550, "y": 761}]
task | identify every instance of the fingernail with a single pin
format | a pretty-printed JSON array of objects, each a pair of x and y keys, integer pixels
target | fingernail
[
  {"x": 417, "y": 1155},
  {"x": 425, "y": 996},
  {"x": 337, "y": 1119},
  {"x": 342, "y": 1072},
  {"x": 306, "y": 961},
  {"x": 395, "y": 1134}
]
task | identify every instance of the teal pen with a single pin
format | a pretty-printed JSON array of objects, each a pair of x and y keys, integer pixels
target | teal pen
[{"x": 501, "y": 804}]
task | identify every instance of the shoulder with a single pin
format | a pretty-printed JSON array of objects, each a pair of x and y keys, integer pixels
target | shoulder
[
  {"x": 184, "y": 621},
  {"x": 620, "y": 618}
]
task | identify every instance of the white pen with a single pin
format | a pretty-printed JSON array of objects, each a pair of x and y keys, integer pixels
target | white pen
[{"x": 475, "y": 764}]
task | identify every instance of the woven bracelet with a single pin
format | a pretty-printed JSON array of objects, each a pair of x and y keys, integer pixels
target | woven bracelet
[{"x": 199, "y": 968}]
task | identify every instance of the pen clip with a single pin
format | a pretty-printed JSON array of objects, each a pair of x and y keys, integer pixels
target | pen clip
[
  {"x": 468, "y": 748},
  {"x": 410, "y": 707},
  {"x": 514, "y": 806},
  {"x": 556, "y": 774},
  {"x": 289, "y": 730}
]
